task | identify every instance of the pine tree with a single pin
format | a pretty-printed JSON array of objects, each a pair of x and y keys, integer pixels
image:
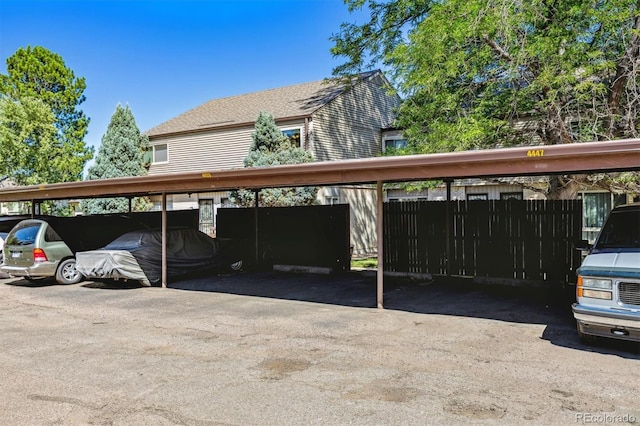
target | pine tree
[
  {"x": 120, "y": 155},
  {"x": 271, "y": 148},
  {"x": 40, "y": 93}
]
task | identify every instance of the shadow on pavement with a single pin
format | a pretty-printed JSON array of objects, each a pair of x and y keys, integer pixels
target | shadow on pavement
[
  {"x": 113, "y": 285},
  {"x": 35, "y": 283},
  {"x": 442, "y": 296}
]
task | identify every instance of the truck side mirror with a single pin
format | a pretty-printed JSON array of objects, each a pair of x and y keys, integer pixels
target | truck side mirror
[{"x": 582, "y": 245}]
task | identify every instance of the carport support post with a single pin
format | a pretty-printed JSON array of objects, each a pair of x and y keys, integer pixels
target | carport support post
[
  {"x": 164, "y": 240},
  {"x": 379, "y": 225},
  {"x": 448, "y": 226},
  {"x": 36, "y": 207},
  {"x": 256, "y": 192}
]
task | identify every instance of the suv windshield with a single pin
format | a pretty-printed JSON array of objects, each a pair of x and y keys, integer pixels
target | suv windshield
[
  {"x": 23, "y": 234},
  {"x": 622, "y": 230}
]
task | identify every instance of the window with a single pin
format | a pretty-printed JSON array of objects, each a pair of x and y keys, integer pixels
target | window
[
  {"x": 51, "y": 235},
  {"x": 407, "y": 199},
  {"x": 622, "y": 230},
  {"x": 160, "y": 153},
  {"x": 23, "y": 234},
  {"x": 394, "y": 143},
  {"x": 475, "y": 197},
  {"x": 294, "y": 136},
  {"x": 595, "y": 209},
  {"x": 595, "y": 206},
  {"x": 206, "y": 217},
  {"x": 511, "y": 196},
  {"x": 332, "y": 201}
]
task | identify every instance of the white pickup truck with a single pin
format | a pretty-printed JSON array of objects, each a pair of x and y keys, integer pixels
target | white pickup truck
[{"x": 608, "y": 286}]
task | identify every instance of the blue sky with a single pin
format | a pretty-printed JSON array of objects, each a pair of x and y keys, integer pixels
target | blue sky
[{"x": 164, "y": 57}]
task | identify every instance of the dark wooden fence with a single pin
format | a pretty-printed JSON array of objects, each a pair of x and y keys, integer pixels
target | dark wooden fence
[
  {"x": 306, "y": 235},
  {"x": 514, "y": 239}
]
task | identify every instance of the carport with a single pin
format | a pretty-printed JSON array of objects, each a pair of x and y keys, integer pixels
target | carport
[{"x": 591, "y": 157}]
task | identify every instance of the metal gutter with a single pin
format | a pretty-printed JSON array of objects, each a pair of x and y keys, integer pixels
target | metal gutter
[{"x": 208, "y": 128}]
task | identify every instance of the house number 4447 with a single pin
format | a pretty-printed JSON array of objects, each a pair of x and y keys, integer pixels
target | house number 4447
[{"x": 535, "y": 153}]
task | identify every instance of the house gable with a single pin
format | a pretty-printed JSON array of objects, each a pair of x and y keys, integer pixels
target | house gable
[
  {"x": 336, "y": 121},
  {"x": 350, "y": 125}
]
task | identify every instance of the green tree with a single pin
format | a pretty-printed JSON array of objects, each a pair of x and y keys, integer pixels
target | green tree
[
  {"x": 120, "y": 155},
  {"x": 27, "y": 141},
  {"x": 271, "y": 148},
  {"x": 491, "y": 73},
  {"x": 36, "y": 75}
]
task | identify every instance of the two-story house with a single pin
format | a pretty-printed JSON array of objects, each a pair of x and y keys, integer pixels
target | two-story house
[{"x": 332, "y": 119}]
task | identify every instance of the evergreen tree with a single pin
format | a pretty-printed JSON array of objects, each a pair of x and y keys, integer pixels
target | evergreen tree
[
  {"x": 120, "y": 155},
  {"x": 271, "y": 148},
  {"x": 39, "y": 82}
]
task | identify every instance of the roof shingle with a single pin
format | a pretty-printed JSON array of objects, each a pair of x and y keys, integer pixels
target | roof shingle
[{"x": 284, "y": 102}]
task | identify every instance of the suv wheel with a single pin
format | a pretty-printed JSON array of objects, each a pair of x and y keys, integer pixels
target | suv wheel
[{"x": 67, "y": 272}]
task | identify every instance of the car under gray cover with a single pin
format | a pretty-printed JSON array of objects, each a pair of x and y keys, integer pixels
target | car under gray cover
[{"x": 137, "y": 255}]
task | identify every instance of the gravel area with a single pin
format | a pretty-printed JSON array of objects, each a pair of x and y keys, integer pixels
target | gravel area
[{"x": 288, "y": 349}]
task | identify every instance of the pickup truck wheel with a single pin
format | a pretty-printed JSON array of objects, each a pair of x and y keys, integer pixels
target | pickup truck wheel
[{"x": 67, "y": 272}]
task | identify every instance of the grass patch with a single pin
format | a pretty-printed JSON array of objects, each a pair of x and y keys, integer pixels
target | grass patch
[{"x": 367, "y": 262}]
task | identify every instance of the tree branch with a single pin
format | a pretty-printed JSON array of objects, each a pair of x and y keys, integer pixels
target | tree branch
[
  {"x": 496, "y": 48},
  {"x": 623, "y": 68}
]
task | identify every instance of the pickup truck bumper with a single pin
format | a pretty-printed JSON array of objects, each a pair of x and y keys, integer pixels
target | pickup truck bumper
[{"x": 624, "y": 325}]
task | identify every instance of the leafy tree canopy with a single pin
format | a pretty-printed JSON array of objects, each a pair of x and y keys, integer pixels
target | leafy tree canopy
[
  {"x": 30, "y": 152},
  {"x": 270, "y": 148},
  {"x": 120, "y": 154},
  {"x": 38, "y": 82},
  {"x": 487, "y": 73}
]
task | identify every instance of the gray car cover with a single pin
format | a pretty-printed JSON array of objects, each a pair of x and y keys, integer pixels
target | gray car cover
[{"x": 188, "y": 251}]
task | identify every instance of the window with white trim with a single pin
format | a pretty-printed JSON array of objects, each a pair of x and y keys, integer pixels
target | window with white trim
[
  {"x": 480, "y": 196},
  {"x": 511, "y": 196},
  {"x": 394, "y": 143},
  {"x": 160, "y": 153},
  {"x": 294, "y": 135}
]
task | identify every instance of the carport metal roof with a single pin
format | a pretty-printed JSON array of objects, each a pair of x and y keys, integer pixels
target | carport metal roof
[{"x": 591, "y": 157}]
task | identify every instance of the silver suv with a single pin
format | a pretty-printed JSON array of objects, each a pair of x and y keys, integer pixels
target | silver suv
[
  {"x": 46, "y": 247},
  {"x": 33, "y": 249},
  {"x": 608, "y": 286}
]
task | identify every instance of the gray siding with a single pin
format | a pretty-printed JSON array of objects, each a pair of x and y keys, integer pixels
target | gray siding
[
  {"x": 350, "y": 125},
  {"x": 225, "y": 149},
  {"x": 214, "y": 150}
]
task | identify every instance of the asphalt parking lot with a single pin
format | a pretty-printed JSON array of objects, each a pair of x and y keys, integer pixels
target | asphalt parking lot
[{"x": 268, "y": 348}]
